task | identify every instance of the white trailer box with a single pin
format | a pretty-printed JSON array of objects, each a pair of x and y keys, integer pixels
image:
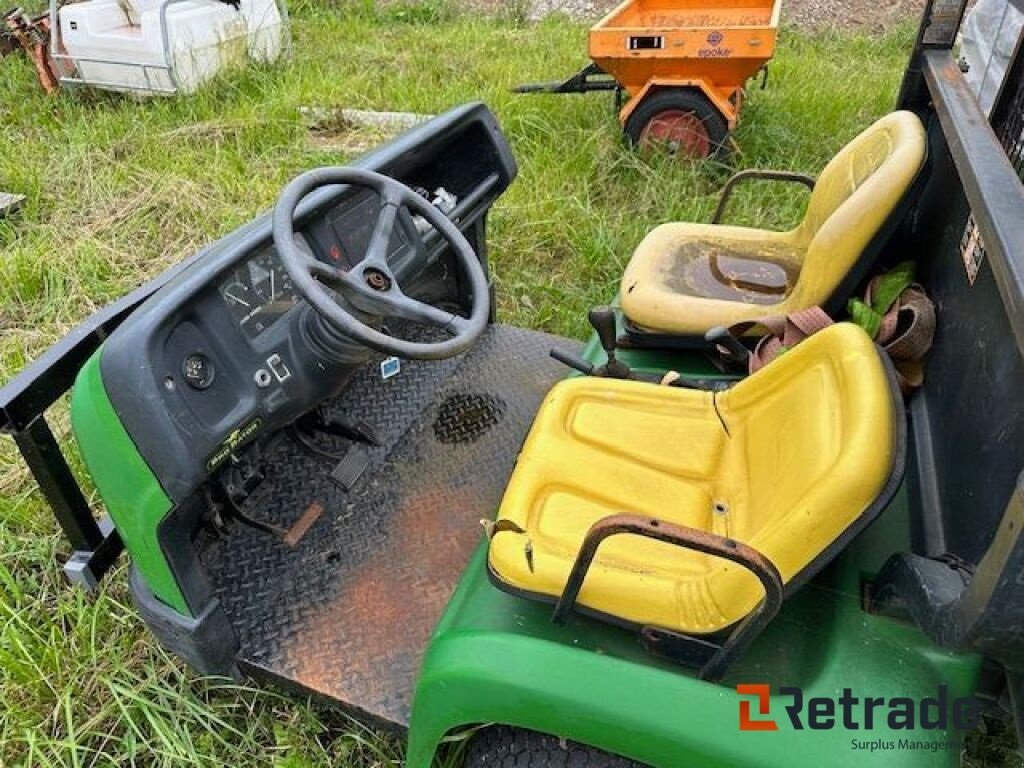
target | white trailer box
[{"x": 164, "y": 46}]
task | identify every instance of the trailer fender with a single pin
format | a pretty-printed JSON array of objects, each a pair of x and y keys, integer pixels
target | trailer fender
[{"x": 721, "y": 102}]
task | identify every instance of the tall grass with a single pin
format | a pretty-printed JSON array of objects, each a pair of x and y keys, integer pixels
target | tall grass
[{"x": 120, "y": 189}]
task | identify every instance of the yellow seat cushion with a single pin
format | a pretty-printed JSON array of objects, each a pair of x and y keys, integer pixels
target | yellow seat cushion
[
  {"x": 790, "y": 458},
  {"x": 687, "y": 278}
]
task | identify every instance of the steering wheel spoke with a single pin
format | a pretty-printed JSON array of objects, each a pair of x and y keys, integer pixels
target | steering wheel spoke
[
  {"x": 427, "y": 314},
  {"x": 329, "y": 275},
  {"x": 383, "y": 230}
]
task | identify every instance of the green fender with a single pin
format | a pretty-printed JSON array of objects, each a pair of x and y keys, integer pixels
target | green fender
[
  {"x": 496, "y": 658},
  {"x": 133, "y": 496}
]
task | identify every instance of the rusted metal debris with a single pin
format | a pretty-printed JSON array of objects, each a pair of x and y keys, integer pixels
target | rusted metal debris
[
  {"x": 304, "y": 523},
  {"x": 32, "y": 35}
]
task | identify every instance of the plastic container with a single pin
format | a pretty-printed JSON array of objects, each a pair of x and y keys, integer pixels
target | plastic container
[
  {"x": 151, "y": 47},
  {"x": 266, "y": 29}
]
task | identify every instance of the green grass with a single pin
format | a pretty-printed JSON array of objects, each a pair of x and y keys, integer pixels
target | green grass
[{"x": 118, "y": 190}]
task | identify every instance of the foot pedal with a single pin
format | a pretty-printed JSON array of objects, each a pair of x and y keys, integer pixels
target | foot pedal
[{"x": 348, "y": 471}]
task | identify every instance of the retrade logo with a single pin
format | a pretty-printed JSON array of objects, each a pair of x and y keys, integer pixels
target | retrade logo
[
  {"x": 854, "y": 713},
  {"x": 764, "y": 704}
]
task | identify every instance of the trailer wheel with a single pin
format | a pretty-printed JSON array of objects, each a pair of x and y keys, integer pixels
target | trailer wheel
[
  {"x": 500, "y": 746},
  {"x": 679, "y": 120}
]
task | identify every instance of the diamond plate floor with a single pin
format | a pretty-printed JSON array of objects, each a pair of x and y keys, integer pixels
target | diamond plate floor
[{"x": 346, "y": 612}]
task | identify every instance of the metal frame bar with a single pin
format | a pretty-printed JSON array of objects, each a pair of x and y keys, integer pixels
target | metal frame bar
[
  {"x": 1005, "y": 123},
  {"x": 990, "y": 182},
  {"x": 589, "y": 79},
  {"x": 96, "y": 545},
  {"x": 675, "y": 645},
  {"x": 43, "y": 456},
  {"x": 759, "y": 174}
]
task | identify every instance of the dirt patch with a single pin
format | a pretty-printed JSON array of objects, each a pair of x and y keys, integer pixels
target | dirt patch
[
  {"x": 818, "y": 15},
  {"x": 335, "y": 129},
  {"x": 866, "y": 15}
]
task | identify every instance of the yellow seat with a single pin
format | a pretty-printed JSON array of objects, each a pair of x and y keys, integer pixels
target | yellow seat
[
  {"x": 685, "y": 279},
  {"x": 787, "y": 461}
]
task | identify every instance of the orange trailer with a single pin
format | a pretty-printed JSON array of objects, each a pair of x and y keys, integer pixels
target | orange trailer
[{"x": 681, "y": 63}]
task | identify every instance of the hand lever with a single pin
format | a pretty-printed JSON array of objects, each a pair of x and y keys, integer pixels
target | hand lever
[
  {"x": 576, "y": 363},
  {"x": 603, "y": 320}
]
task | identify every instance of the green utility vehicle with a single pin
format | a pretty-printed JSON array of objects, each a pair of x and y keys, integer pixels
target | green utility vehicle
[{"x": 333, "y": 471}]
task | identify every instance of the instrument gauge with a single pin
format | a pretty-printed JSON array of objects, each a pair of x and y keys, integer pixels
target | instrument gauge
[{"x": 260, "y": 291}]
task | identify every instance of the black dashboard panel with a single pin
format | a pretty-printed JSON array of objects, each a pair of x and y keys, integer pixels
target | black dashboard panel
[{"x": 218, "y": 357}]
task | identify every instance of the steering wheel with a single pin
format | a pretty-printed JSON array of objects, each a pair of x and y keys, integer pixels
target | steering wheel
[{"x": 370, "y": 286}]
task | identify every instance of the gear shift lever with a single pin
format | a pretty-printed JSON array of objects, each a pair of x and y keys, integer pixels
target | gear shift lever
[{"x": 603, "y": 320}]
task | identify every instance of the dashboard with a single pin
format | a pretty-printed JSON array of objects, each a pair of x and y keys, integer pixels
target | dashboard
[
  {"x": 221, "y": 354},
  {"x": 260, "y": 292}
]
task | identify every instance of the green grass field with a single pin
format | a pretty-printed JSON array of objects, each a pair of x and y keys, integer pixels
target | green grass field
[{"x": 118, "y": 190}]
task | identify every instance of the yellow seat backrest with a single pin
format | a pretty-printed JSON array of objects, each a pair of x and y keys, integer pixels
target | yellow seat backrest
[
  {"x": 854, "y": 197},
  {"x": 813, "y": 445}
]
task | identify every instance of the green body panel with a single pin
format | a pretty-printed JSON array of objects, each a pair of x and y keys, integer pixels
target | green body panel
[
  {"x": 497, "y": 658},
  {"x": 133, "y": 497}
]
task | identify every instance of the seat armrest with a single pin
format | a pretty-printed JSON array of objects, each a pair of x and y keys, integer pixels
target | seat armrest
[
  {"x": 687, "y": 538},
  {"x": 758, "y": 174}
]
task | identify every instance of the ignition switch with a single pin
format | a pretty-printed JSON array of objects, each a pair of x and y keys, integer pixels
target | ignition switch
[{"x": 198, "y": 371}]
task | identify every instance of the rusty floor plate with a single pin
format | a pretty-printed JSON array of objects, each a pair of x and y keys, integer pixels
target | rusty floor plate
[{"x": 346, "y": 611}]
